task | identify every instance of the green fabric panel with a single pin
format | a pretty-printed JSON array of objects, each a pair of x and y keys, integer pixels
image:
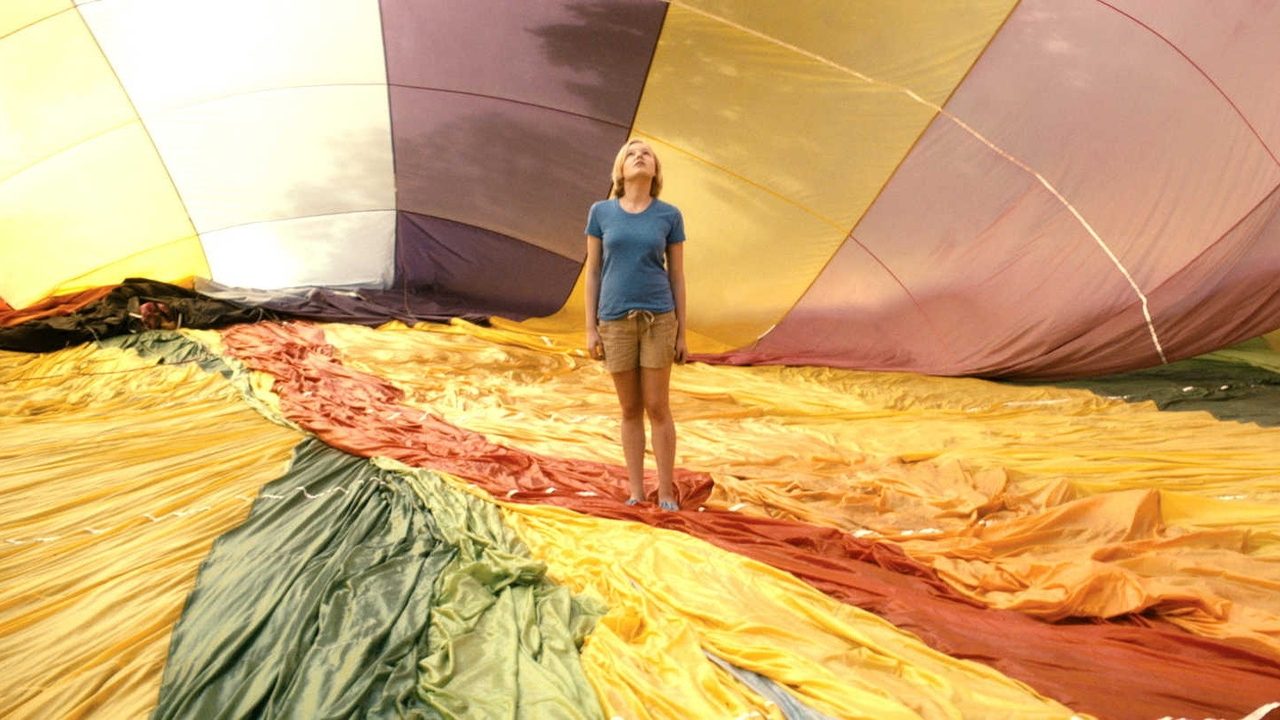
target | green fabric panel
[
  {"x": 1257, "y": 352},
  {"x": 492, "y": 585},
  {"x": 172, "y": 347},
  {"x": 1237, "y": 391},
  {"x": 344, "y": 596}
]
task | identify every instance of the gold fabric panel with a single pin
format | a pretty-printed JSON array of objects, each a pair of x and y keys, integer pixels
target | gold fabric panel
[{"x": 116, "y": 475}]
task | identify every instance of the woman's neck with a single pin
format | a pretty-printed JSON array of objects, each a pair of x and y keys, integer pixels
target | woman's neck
[{"x": 635, "y": 194}]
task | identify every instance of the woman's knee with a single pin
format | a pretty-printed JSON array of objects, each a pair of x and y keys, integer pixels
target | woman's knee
[
  {"x": 659, "y": 411},
  {"x": 633, "y": 411}
]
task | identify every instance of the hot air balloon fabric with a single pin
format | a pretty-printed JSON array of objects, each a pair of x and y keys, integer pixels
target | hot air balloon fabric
[{"x": 982, "y": 422}]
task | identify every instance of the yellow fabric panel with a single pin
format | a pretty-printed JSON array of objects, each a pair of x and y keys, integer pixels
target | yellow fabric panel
[
  {"x": 96, "y": 223},
  {"x": 671, "y": 595},
  {"x": 616, "y": 670},
  {"x": 65, "y": 94},
  {"x": 68, "y": 124},
  {"x": 110, "y": 507},
  {"x": 900, "y": 457},
  {"x": 921, "y": 45},
  {"x": 765, "y": 252},
  {"x": 781, "y": 208},
  {"x": 1225, "y": 511},
  {"x": 156, "y": 262},
  {"x": 17, "y": 14}
]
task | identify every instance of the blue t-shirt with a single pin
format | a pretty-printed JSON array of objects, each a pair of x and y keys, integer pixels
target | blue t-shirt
[{"x": 633, "y": 271}]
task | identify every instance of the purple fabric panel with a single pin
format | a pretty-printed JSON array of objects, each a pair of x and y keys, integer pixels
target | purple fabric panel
[
  {"x": 516, "y": 170},
  {"x": 970, "y": 266},
  {"x": 587, "y": 58},
  {"x": 506, "y": 116},
  {"x": 359, "y": 306},
  {"x": 373, "y": 307},
  {"x": 515, "y": 279}
]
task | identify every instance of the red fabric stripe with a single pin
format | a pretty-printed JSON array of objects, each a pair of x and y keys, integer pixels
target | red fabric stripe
[{"x": 1136, "y": 670}]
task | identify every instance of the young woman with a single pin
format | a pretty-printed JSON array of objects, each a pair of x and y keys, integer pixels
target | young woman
[{"x": 636, "y": 309}]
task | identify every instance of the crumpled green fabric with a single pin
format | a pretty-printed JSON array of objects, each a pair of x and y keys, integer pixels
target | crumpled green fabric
[
  {"x": 354, "y": 591},
  {"x": 476, "y": 667}
]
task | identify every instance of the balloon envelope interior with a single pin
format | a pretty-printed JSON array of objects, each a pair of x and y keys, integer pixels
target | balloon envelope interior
[{"x": 988, "y": 187}]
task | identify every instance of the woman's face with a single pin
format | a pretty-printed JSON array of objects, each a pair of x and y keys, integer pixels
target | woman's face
[{"x": 639, "y": 161}]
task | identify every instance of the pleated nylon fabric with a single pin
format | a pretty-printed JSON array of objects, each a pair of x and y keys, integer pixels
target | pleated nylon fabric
[
  {"x": 341, "y": 596},
  {"x": 116, "y": 476},
  {"x": 1067, "y": 547},
  {"x": 367, "y": 415},
  {"x": 838, "y": 659}
]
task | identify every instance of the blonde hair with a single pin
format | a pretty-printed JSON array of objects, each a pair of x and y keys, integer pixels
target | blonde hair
[{"x": 616, "y": 177}]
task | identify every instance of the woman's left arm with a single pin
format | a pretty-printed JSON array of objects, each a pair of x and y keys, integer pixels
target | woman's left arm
[{"x": 675, "y": 272}]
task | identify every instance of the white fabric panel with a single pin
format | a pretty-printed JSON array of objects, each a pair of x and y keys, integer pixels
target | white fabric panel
[
  {"x": 272, "y": 119},
  {"x": 171, "y": 53},
  {"x": 343, "y": 249},
  {"x": 283, "y": 154}
]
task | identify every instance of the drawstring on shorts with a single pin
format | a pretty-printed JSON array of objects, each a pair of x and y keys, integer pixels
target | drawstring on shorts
[{"x": 645, "y": 318}]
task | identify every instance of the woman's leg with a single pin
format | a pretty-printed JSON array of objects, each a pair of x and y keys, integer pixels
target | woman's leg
[
  {"x": 656, "y": 384},
  {"x": 631, "y": 401}
]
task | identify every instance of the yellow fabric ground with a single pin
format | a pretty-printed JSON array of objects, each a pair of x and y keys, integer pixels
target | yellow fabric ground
[
  {"x": 672, "y": 596},
  {"x": 1108, "y": 555},
  {"x": 116, "y": 476},
  {"x": 938, "y": 464}
]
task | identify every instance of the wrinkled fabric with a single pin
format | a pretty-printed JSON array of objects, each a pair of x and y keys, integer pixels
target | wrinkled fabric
[
  {"x": 115, "y": 314},
  {"x": 366, "y": 415},
  {"x": 504, "y": 640},
  {"x": 308, "y": 379},
  {"x": 362, "y": 305},
  {"x": 116, "y": 476},
  {"x": 314, "y": 607},
  {"x": 669, "y": 589},
  {"x": 341, "y": 597},
  {"x": 51, "y": 306},
  {"x": 1109, "y": 555},
  {"x": 787, "y": 705}
]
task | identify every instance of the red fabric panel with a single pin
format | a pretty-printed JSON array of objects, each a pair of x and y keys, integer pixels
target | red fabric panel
[
  {"x": 51, "y": 306},
  {"x": 1111, "y": 670}
]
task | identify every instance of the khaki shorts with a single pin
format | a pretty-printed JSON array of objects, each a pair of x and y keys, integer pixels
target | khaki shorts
[{"x": 641, "y": 339}]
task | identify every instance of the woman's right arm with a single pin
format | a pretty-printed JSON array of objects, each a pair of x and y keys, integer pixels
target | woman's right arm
[{"x": 595, "y": 248}]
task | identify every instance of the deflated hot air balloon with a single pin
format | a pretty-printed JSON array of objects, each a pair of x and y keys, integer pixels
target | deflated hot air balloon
[{"x": 323, "y": 519}]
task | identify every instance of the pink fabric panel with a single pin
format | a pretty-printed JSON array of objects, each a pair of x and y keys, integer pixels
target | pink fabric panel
[
  {"x": 1129, "y": 131},
  {"x": 1208, "y": 298},
  {"x": 985, "y": 271},
  {"x": 1236, "y": 44},
  {"x": 995, "y": 275}
]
